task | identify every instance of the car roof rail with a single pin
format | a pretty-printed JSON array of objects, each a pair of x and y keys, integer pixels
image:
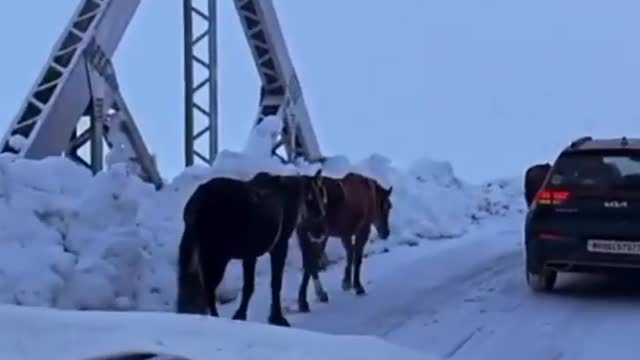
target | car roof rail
[{"x": 580, "y": 141}]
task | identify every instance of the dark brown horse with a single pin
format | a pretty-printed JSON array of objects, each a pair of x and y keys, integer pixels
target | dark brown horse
[
  {"x": 354, "y": 203},
  {"x": 534, "y": 177},
  {"x": 228, "y": 219}
]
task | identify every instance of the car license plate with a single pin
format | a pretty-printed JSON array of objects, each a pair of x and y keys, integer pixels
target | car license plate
[{"x": 613, "y": 247}]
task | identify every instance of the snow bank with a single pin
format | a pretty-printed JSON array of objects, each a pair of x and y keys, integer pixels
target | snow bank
[
  {"x": 91, "y": 334},
  {"x": 69, "y": 239},
  {"x": 72, "y": 240},
  {"x": 375, "y": 167}
]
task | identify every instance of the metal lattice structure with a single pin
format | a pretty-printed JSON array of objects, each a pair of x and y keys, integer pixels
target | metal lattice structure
[
  {"x": 280, "y": 93},
  {"x": 208, "y": 62},
  {"x": 79, "y": 82}
]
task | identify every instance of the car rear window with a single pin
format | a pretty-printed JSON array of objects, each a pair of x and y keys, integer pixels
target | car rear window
[{"x": 610, "y": 168}]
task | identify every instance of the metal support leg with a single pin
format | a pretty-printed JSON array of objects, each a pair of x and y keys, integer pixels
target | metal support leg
[{"x": 207, "y": 64}]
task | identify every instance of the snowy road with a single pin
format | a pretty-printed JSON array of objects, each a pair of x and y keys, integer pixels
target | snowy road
[{"x": 471, "y": 302}]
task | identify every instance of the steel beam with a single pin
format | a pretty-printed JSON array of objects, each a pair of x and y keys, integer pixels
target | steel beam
[
  {"x": 205, "y": 60},
  {"x": 280, "y": 93},
  {"x": 46, "y": 123}
]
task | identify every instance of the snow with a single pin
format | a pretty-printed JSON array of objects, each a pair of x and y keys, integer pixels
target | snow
[
  {"x": 375, "y": 167},
  {"x": 90, "y": 334},
  {"x": 467, "y": 299},
  {"x": 72, "y": 240},
  {"x": 256, "y": 156},
  {"x": 262, "y": 137},
  {"x": 18, "y": 142}
]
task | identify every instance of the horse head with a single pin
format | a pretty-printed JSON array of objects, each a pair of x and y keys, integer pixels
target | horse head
[{"x": 383, "y": 208}]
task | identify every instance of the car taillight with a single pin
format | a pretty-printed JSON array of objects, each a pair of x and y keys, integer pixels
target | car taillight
[{"x": 552, "y": 196}]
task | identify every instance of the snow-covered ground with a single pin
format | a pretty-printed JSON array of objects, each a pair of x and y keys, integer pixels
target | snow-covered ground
[
  {"x": 449, "y": 281},
  {"x": 34, "y": 334},
  {"x": 468, "y": 300}
]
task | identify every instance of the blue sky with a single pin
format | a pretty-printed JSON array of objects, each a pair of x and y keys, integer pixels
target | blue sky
[{"x": 489, "y": 85}]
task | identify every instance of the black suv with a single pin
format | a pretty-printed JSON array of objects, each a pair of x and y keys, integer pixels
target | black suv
[{"x": 585, "y": 215}]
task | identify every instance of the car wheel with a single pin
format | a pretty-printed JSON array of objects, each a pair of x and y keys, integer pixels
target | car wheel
[{"x": 542, "y": 282}]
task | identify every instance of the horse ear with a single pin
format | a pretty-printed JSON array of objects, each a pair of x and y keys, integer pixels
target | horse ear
[
  {"x": 390, "y": 190},
  {"x": 318, "y": 174}
]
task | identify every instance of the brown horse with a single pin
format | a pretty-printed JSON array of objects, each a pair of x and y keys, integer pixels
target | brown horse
[
  {"x": 353, "y": 204},
  {"x": 534, "y": 177}
]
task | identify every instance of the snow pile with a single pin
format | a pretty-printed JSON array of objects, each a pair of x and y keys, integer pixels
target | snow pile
[
  {"x": 262, "y": 137},
  {"x": 72, "y": 240},
  {"x": 500, "y": 197},
  {"x": 90, "y": 334},
  {"x": 18, "y": 142},
  {"x": 430, "y": 201}
]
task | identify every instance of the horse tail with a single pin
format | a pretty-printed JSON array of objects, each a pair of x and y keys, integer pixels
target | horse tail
[{"x": 191, "y": 292}]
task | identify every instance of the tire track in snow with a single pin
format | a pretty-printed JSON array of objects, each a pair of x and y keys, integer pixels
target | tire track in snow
[
  {"x": 431, "y": 300},
  {"x": 420, "y": 287},
  {"x": 587, "y": 318}
]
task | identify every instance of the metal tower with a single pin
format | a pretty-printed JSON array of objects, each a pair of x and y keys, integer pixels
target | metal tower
[
  {"x": 280, "y": 93},
  {"x": 79, "y": 82},
  {"x": 206, "y": 60}
]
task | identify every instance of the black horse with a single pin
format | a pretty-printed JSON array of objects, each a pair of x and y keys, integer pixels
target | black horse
[{"x": 231, "y": 219}]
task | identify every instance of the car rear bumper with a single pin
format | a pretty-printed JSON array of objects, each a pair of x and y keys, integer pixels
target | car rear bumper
[{"x": 571, "y": 254}]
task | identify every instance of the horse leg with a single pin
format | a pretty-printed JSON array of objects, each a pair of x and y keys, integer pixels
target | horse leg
[
  {"x": 348, "y": 248},
  {"x": 248, "y": 273},
  {"x": 278, "y": 257},
  {"x": 307, "y": 251},
  {"x": 361, "y": 241},
  {"x": 321, "y": 261},
  {"x": 213, "y": 273},
  {"x": 310, "y": 268},
  {"x": 303, "y": 304},
  {"x": 321, "y": 293},
  {"x": 314, "y": 271}
]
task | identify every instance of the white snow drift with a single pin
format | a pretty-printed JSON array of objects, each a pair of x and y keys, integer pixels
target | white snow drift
[
  {"x": 72, "y": 240},
  {"x": 34, "y": 334}
]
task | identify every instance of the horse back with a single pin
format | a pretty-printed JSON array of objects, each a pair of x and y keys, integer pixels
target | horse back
[
  {"x": 351, "y": 204},
  {"x": 233, "y": 217}
]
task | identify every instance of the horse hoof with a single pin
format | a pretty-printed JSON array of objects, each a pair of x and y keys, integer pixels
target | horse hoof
[
  {"x": 239, "y": 316},
  {"x": 360, "y": 291},
  {"x": 346, "y": 286},
  {"x": 304, "y": 307},
  {"x": 323, "y": 297},
  {"x": 279, "y": 321}
]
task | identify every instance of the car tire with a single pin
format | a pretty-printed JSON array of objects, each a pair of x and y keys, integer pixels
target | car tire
[{"x": 542, "y": 282}]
